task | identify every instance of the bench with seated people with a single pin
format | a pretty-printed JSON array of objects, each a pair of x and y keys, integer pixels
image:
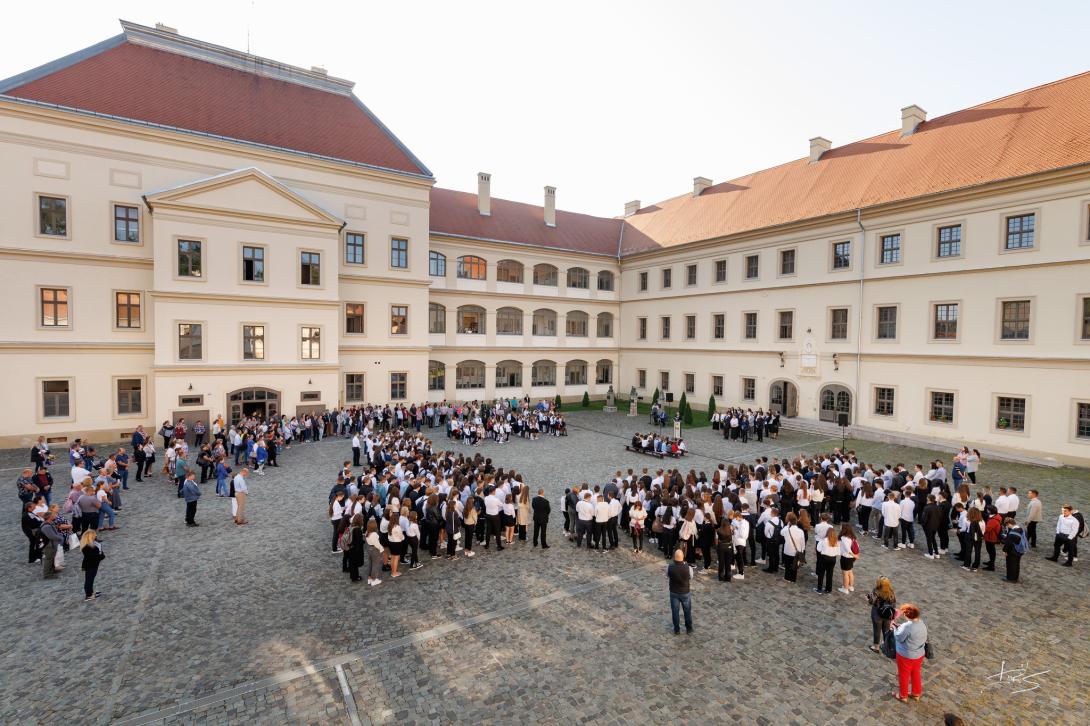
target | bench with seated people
[{"x": 658, "y": 446}]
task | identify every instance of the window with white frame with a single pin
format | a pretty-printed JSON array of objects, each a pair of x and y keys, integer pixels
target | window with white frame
[
  {"x": 838, "y": 324},
  {"x": 719, "y": 326},
  {"x": 399, "y": 385},
  {"x": 883, "y": 401},
  {"x": 1014, "y": 322},
  {"x": 310, "y": 339},
  {"x": 56, "y": 399},
  {"x": 53, "y": 307},
  {"x": 946, "y": 321},
  {"x": 353, "y": 386},
  {"x": 717, "y": 386},
  {"x": 190, "y": 341},
  {"x": 130, "y": 396},
  {"x": 941, "y": 409},
  {"x": 1010, "y": 413},
  {"x": 253, "y": 342}
]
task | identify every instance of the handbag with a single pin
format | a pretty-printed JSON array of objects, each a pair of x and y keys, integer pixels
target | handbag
[
  {"x": 73, "y": 542},
  {"x": 889, "y": 644},
  {"x": 58, "y": 559},
  {"x": 656, "y": 526},
  {"x": 928, "y": 651}
]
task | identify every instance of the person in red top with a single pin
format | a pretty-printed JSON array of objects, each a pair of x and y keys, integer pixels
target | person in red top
[{"x": 991, "y": 535}]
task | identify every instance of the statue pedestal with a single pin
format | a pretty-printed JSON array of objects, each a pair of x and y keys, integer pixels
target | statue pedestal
[
  {"x": 609, "y": 409},
  {"x": 632, "y": 409}
]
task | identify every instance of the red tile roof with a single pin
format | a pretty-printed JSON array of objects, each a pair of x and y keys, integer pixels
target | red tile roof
[
  {"x": 1032, "y": 131},
  {"x": 146, "y": 84},
  {"x": 456, "y": 213}
]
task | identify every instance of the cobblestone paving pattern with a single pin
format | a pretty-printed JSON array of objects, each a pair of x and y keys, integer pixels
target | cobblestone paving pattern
[{"x": 192, "y": 612}]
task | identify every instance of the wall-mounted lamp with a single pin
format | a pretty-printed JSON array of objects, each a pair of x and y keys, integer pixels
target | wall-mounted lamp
[
  {"x": 781, "y": 360},
  {"x": 836, "y": 363},
  {"x": 190, "y": 387},
  {"x": 309, "y": 383}
]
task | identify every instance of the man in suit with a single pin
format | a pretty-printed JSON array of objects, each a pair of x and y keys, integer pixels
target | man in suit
[{"x": 541, "y": 508}]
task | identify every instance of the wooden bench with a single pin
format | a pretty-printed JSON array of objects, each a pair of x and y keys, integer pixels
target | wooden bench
[{"x": 647, "y": 452}]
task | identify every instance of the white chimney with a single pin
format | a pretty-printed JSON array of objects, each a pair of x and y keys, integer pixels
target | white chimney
[
  {"x": 166, "y": 29},
  {"x": 911, "y": 117},
  {"x": 632, "y": 207},
  {"x": 818, "y": 146},
  {"x": 484, "y": 193},
  {"x": 320, "y": 70},
  {"x": 700, "y": 183},
  {"x": 550, "y": 206}
]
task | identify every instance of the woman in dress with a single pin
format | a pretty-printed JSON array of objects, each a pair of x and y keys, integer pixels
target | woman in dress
[
  {"x": 522, "y": 515},
  {"x": 636, "y": 516}
]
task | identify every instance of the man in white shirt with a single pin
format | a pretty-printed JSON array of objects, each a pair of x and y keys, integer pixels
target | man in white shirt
[
  {"x": 584, "y": 517},
  {"x": 614, "y": 517},
  {"x": 891, "y": 519},
  {"x": 908, "y": 514},
  {"x": 492, "y": 508},
  {"x": 241, "y": 491},
  {"x": 601, "y": 524},
  {"x": 1013, "y": 502},
  {"x": 1067, "y": 528},
  {"x": 1002, "y": 503},
  {"x": 79, "y": 473}
]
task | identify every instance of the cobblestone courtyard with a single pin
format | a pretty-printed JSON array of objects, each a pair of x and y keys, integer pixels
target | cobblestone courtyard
[{"x": 226, "y": 624}]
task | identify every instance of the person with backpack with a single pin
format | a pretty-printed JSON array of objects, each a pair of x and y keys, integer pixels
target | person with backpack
[
  {"x": 849, "y": 553},
  {"x": 883, "y": 606},
  {"x": 1015, "y": 544},
  {"x": 773, "y": 532},
  {"x": 794, "y": 546}
]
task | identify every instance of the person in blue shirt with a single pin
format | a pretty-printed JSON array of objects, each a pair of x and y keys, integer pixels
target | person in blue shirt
[
  {"x": 191, "y": 492},
  {"x": 222, "y": 473}
]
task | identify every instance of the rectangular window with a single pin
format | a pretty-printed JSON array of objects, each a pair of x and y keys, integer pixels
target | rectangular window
[
  {"x": 749, "y": 389},
  {"x": 605, "y": 281},
  {"x": 749, "y": 326},
  {"x": 643, "y": 282},
  {"x": 437, "y": 318},
  {"x": 641, "y": 328},
  {"x": 1085, "y": 327},
  {"x": 690, "y": 327},
  {"x": 1010, "y": 413},
  {"x": 253, "y": 264},
  {"x": 838, "y": 324},
  {"x": 664, "y": 380},
  {"x": 310, "y": 339},
  {"x": 949, "y": 241},
  {"x": 1020, "y": 231},
  {"x": 720, "y": 270},
  {"x": 1082, "y": 421},
  {"x": 52, "y": 216},
  {"x": 191, "y": 400},
  {"x": 399, "y": 320},
  {"x": 889, "y": 252},
  {"x": 354, "y": 248},
  {"x": 53, "y": 309},
  {"x": 753, "y": 267},
  {"x": 641, "y": 378},
  {"x": 883, "y": 401},
  {"x": 1015, "y": 320},
  {"x": 787, "y": 262},
  {"x": 842, "y": 255},
  {"x": 55, "y": 399},
  {"x": 942, "y": 407},
  {"x": 310, "y": 268},
  {"x": 310, "y": 396},
  {"x": 399, "y": 253},
  {"x": 399, "y": 384},
  {"x": 253, "y": 342},
  {"x": 946, "y": 321},
  {"x": 690, "y": 275},
  {"x": 887, "y": 323},
  {"x": 129, "y": 396},
  {"x": 127, "y": 310},
  {"x": 787, "y": 324},
  {"x": 353, "y": 386},
  {"x": 437, "y": 264},
  {"x": 189, "y": 258},
  {"x": 353, "y": 318},
  {"x": 717, "y": 385},
  {"x": 190, "y": 341},
  {"x": 719, "y": 326},
  {"x": 665, "y": 327},
  {"x": 667, "y": 278},
  {"x": 126, "y": 223},
  {"x": 690, "y": 383}
]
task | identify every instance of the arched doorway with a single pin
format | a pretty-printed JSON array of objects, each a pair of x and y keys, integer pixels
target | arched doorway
[
  {"x": 833, "y": 401},
  {"x": 783, "y": 398},
  {"x": 261, "y": 402}
]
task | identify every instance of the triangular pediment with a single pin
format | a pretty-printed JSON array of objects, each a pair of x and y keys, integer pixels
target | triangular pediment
[{"x": 248, "y": 193}]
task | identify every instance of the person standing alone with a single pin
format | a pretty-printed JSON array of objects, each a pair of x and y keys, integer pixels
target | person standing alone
[
  {"x": 241, "y": 492},
  {"x": 680, "y": 576},
  {"x": 191, "y": 493},
  {"x": 541, "y": 508}
]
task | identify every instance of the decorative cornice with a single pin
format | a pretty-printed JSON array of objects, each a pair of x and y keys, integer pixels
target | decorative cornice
[
  {"x": 239, "y": 299},
  {"x": 67, "y": 255},
  {"x": 84, "y": 346},
  {"x": 171, "y": 368}
]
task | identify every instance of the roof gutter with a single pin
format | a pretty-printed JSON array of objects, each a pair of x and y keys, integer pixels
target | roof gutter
[{"x": 859, "y": 313}]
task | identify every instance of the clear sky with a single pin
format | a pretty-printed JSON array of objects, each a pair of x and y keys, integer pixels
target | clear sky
[{"x": 612, "y": 101}]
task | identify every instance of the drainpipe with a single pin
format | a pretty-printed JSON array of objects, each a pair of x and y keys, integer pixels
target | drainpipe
[{"x": 859, "y": 314}]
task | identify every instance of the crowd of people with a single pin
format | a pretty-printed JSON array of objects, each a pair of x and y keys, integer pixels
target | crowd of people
[
  {"x": 739, "y": 424},
  {"x": 652, "y": 443}
]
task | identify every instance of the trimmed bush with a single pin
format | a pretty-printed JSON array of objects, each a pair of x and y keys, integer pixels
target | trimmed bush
[
  {"x": 711, "y": 407},
  {"x": 586, "y": 399},
  {"x": 556, "y": 402}
]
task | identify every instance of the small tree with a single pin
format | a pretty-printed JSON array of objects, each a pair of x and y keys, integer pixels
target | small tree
[
  {"x": 586, "y": 399},
  {"x": 556, "y": 402},
  {"x": 682, "y": 405},
  {"x": 687, "y": 416},
  {"x": 711, "y": 407},
  {"x": 655, "y": 397}
]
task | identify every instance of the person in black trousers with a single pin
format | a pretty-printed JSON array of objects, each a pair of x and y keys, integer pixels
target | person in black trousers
[
  {"x": 1010, "y": 549},
  {"x": 92, "y": 557},
  {"x": 32, "y": 529},
  {"x": 724, "y": 550},
  {"x": 541, "y": 509},
  {"x": 931, "y": 519},
  {"x": 773, "y": 541}
]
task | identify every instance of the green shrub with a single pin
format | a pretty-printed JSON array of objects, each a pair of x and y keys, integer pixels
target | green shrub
[
  {"x": 586, "y": 399},
  {"x": 556, "y": 402}
]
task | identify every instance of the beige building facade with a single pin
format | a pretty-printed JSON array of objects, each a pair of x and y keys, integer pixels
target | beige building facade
[{"x": 929, "y": 284}]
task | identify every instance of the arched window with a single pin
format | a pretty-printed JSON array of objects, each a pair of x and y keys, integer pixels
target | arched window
[
  {"x": 437, "y": 318},
  {"x": 576, "y": 324},
  {"x": 508, "y": 374},
  {"x": 575, "y": 373},
  {"x": 605, "y": 325},
  {"x": 471, "y": 319},
  {"x": 470, "y": 374},
  {"x": 543, "y": 373},
  {"x": 605, "y": 280},
  {"x": 828, "y": 400},
  {"x": 508, "y": 321},
  {"x": 471, "y": 267},
  {"x": 545, "y": 275},
  {"x": 437, "y": 264},
  {"x": 544, "y": 322},
  {"x": 578, "y": 277},
  {"x": 509, "y": 271},
  {"x": 603, "y": 371},
  {"x": 437, "y": 376}
]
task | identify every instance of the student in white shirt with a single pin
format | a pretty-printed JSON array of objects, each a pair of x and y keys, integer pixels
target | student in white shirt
[
  {"x": 828, "y": 548},
  {"x": 1067, "y": 529},
  {"x": 849, "y": 553},
  {"x": 907, "y": 526},
  {"x": 794, "y": 543},
  {"x": 891, "y": 520},
  {"x": 601, "y": 524},
  {"x": 584, "y": 518},
  {"x": 741, "y": 538}
]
